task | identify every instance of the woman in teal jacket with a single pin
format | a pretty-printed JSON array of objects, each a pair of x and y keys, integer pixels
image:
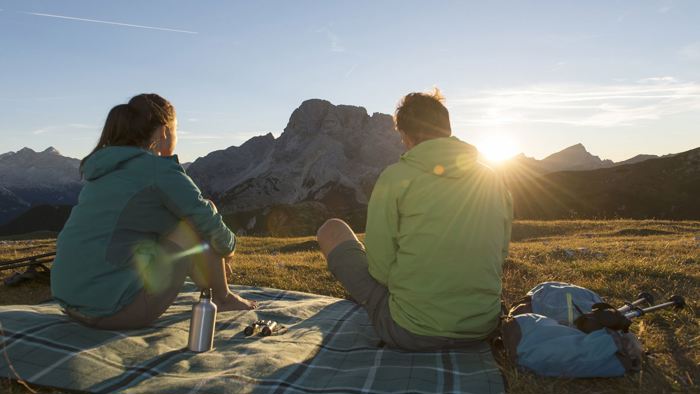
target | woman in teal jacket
[{"x": 140, "y": 226}]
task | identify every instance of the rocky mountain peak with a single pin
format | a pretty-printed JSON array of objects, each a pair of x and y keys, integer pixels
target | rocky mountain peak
[
  {"x": 326, "y": 152},
  {"x": 573, "y": 158},
  {"x": 51, "y": 150},
  {"x": 308, "y": 116},
  {"x": 577, "y": 147},
  {"x": 22, "y": 154},
  {"x": 321, "y": 116},
  {"x": 573, "y": 150}
]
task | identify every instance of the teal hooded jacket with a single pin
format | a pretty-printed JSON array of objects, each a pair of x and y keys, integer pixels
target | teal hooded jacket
[
  {"x": 106, "y": 252},
  {"x": 438, "y": 230}
]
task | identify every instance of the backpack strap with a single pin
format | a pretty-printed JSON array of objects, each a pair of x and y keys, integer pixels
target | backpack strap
[
  {"x": 523, "y": 305},
  {"x": 511, "y": 336}
]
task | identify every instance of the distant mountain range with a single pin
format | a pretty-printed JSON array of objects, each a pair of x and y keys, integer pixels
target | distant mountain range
[
  {"x": 326, "y": 162},
  {"x": 661, "y": 188},
  {"x": 29, "y": 178},
  {"x": 574, "y": 158}
]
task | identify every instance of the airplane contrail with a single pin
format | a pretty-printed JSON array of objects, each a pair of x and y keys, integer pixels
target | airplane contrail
[{"x": 111, "y": 23}]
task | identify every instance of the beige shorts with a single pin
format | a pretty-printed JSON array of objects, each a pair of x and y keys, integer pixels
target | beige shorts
[{"x": 146, "y": 306}]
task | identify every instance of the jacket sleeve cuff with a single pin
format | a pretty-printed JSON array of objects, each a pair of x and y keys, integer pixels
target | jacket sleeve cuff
[{"x": 225, "y": 245}]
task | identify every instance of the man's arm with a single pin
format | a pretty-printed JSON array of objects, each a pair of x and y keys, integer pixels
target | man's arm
[
  {"x": 508, "y": 224},
  {"x": 382, "y": 229}
]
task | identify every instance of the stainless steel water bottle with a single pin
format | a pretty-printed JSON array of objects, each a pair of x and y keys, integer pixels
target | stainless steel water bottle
[{"x": 202, "y": 323}]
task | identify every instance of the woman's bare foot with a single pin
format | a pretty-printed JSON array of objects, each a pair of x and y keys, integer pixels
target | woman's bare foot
[{"x": 234, "y": 302}]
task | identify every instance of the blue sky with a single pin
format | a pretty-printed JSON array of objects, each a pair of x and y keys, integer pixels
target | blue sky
[{"x": 621, "y": 77}]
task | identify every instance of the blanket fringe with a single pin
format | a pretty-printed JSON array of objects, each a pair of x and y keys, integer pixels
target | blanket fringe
[{"x": 9, "y": 365}]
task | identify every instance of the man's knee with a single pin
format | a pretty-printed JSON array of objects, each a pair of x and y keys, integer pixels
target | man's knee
[
  {"x": 330, "y": 227},
  {"x": 332, "y": 233}
]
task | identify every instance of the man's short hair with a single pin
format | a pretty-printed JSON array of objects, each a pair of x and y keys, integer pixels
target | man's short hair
[{"x": 423, "y": 116}]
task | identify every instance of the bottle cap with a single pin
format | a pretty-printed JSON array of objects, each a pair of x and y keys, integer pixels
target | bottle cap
[{"x": 206, "y": 293}]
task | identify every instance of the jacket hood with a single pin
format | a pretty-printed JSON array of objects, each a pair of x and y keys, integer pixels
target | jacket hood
[
  {"x": 109, "y": 159},
  {"x": 448, "y": 157}
]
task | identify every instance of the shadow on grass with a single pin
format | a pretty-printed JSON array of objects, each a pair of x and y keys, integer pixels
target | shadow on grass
[
  {"x": 307, "y": 246},
  {"x": 640, "y": 232},
  {"x": 650, "y": 380}
]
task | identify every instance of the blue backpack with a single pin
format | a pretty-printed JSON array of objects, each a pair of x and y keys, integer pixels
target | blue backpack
[{"x": 543, "y": 334}]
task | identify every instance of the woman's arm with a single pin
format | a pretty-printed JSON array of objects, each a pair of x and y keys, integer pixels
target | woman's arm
[
  {"x": 217, "y": 211},
  {"x": 180, "y": 195}
]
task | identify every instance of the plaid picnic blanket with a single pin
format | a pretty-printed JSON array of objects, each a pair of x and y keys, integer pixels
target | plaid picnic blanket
[{"x": 330, "y": 347}]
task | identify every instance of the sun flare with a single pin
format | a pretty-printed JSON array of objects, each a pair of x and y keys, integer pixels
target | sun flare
[{"x": 497, "y": 148}]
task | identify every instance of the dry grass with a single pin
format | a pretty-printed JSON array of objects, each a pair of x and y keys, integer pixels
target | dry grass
[{"x": 618, "y": 259}]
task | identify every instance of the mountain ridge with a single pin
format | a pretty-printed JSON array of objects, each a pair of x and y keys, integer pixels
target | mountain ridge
[
  {"x": 662, "y": 188},
  {"x": 575, "y": 158},
  {"x": 34, "y": 178},
  {"x": 324, "y": 164},
  {"x": 331, "y": 153}
]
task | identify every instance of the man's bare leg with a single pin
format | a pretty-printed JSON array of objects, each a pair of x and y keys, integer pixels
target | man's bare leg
[
  {"x": 208, "y": 270},
  {"x": 333, "y": 233},
  {"x": 349, "y": 265}
]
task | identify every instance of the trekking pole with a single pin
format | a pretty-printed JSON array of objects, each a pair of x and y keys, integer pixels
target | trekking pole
[
  {"x": 27, "y": 261},
  {"x": 642, "y": 297},
  {"x": 676, "y": 301}
]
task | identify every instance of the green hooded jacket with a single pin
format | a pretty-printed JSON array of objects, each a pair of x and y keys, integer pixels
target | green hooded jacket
[
  {"x": 106, "y": 252},
  {"x": 438, "y": 229}
]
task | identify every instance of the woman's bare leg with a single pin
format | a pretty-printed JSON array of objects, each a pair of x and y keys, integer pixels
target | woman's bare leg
[{"x": 208, "y": 270}]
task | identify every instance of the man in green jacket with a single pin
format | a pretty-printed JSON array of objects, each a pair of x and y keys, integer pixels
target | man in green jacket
[{"x": 438, "y": 228}]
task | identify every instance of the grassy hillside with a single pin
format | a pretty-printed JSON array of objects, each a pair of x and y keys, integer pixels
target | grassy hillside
[{"x": 618, "y": 259}]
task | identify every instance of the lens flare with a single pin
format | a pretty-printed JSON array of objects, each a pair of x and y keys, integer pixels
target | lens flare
[
  {"x": 152, "y": 266},
  {"x": 201, "y": 248},
  {"x": 156, "y": 263}
]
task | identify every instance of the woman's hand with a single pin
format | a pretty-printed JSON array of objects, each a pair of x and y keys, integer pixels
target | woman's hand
[{"x": 212, "y": 204}]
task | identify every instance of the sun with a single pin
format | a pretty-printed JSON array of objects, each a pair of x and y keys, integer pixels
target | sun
[{"x": 497, "y": 148}]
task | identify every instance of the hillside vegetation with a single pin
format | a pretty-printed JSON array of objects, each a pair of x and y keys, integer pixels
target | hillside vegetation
[{"x": 617, "y": 259}]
